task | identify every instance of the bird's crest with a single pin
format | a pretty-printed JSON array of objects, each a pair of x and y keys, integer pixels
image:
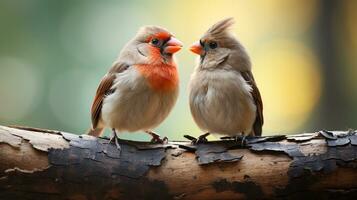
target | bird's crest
[{"x": 220, "y": 27}]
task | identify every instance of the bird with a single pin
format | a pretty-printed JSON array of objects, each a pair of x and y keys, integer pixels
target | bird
[
  {"x": 141, "y": 87},
  {"x": 223, "y": 95}
]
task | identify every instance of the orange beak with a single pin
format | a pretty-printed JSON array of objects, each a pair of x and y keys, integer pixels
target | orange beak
[
  {"x": 196, "y": 48},
  {"x": 172, "y": 46}
]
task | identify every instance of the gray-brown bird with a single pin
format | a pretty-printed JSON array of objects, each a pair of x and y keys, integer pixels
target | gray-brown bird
[
  {"x": 141, "y": 87},
  {"x": 224, "y": 98}
]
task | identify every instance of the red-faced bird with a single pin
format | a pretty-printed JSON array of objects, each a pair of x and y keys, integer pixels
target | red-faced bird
[{"x": 140, "y": 89}]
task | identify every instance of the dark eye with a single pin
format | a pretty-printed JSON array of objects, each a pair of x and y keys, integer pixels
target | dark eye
[
  {"x": 212, "y": 45},
  {"x": 155, "y": 41}
]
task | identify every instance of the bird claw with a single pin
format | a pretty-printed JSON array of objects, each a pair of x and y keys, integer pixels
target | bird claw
[
  {"x": 113, "y": 139},
  {"x": 238, "y": 138},
  {"x": 243, "y": 140},
  {"x": 156, "y": 138},
  {"x": 191, "y": 138},
  {"x": 116, "y": 140},
  {"x": 200, "y": 140}
]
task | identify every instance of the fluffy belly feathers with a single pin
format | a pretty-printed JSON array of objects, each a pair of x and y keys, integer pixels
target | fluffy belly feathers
[
  {"x": 219, "y": 102},
  {"x": 134, "y": 105}
]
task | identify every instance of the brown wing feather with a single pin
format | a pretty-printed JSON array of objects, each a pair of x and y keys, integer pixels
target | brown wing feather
[
  {"x": 259, "y": 121},
  {"x": 104, "y": 89}
]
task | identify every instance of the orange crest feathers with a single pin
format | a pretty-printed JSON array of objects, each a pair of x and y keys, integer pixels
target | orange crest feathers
[{"x": 163, "y": 35}]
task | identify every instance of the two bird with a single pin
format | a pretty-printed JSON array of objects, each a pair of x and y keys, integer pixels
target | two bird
[{"x": 142, "y": 86}]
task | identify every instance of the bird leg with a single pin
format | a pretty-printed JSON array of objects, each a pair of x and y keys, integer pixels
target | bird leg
[
  {"x": 115, "y": 138},
  {"x": 243, "y": 139},
  {"x": 156, "y": 138}
]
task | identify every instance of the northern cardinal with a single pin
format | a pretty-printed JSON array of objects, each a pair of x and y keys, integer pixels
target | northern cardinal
[
  {"x": 224, "y": 98},
  {"x": 140, "y": 88}
]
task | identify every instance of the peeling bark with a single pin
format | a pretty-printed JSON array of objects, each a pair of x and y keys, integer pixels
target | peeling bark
[{"x": 45, "y": 164}]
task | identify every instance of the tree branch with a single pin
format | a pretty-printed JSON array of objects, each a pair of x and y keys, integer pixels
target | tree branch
[{"x": 44, "y": 164}]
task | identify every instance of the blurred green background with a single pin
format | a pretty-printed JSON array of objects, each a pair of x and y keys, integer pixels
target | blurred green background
[{"x": 54, "y": 53}]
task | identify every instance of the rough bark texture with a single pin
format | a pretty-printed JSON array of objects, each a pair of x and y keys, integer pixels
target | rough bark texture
[{"x": 43, "y": 164}]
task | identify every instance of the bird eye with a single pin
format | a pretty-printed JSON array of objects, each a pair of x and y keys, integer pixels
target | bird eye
[
  {"x": 212, "y": 45},
  {"x": 155, "y": 41}
]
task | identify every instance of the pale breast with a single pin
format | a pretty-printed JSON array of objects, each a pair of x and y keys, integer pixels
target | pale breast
[
  {"x": 134, "y": 106},
  {"x": 221, "y": 102}
]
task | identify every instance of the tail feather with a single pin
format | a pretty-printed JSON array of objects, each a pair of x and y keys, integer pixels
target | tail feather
[{"x": 95, "y": 132}]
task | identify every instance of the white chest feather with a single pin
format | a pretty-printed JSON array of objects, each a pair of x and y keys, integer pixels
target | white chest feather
[
  {"x": 134, "y": 106},
  {"x": 221, "y": 102}
]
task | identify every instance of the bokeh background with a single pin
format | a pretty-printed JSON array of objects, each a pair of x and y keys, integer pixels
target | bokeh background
[{"x": 54, "y": 53}]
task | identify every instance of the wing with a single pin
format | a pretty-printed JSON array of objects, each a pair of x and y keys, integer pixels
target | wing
[
  {"x": 104, "y": 89},
  {"x": 259, "y": 121}
]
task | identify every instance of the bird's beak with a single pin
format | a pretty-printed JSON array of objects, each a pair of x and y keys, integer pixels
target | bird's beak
[
  {"x": 196, "y": 48},
  {"x": 172, "y": 46}
]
